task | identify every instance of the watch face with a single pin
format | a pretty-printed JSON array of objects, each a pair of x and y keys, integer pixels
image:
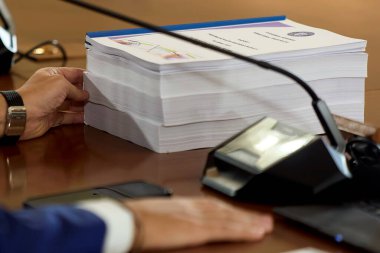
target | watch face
[{"x": 16, "y": 120}]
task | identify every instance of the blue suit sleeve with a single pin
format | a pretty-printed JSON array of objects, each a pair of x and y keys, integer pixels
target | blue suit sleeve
[{"x": 57, "y": 229}]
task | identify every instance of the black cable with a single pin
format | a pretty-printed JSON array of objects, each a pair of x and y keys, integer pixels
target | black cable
[
  {"x": 365, "y": 154},
  {"x": 28, "y": 54},
  {"x": 134, "y": 21}
]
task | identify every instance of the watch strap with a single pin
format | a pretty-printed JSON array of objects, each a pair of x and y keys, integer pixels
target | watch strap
[{"x": 13, "y": 99}]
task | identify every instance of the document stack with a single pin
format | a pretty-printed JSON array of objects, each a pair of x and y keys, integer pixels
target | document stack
[{"x": 168, "y": 95}]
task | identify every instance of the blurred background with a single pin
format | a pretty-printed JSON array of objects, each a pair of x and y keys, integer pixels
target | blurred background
[{"x": 39, "y": 20}]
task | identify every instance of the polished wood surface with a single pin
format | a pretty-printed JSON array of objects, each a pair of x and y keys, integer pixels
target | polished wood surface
[
  {"x": 75, "y": 157},
  {"x": 70, "y": 158}
]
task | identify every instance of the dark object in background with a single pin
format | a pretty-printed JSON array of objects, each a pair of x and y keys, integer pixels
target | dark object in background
[
  {"x": 133, "y": 189},
  {"x": 357, "y": 224},
  {"x": 8, "y": 43}
]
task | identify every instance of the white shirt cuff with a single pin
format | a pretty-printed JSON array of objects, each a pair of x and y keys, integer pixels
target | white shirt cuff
[{"x": 120, "y": 232}]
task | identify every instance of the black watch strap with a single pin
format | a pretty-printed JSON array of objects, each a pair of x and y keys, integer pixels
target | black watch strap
[{"x": 13, "y": 99}]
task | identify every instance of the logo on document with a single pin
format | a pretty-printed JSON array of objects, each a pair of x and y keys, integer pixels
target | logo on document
[{"x": 301, "y": 34}]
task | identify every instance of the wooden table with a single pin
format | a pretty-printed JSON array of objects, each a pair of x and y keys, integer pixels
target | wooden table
[
  {"x": 70, "y": 158},
  {"x": 74, "y": 157}
]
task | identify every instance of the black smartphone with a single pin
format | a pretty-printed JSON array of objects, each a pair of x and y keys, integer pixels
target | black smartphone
[{"x": 133, "y": 190}]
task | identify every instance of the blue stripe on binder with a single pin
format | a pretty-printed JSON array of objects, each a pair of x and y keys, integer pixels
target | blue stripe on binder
[{"x": 186, "y": 26}]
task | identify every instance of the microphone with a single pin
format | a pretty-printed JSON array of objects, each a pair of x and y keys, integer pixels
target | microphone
[
  {"x": 309, "y": 166},
  {"x": 6, "y": 17}
]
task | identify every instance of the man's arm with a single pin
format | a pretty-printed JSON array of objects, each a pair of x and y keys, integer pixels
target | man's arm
[
  {"x": 52, "y": 229},
  {"x": 92, "y": 226},
  {"x": 52, "y": 96}
]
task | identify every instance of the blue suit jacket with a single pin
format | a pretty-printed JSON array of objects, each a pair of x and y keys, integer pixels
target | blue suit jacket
[{"x": 55, "y": 229}]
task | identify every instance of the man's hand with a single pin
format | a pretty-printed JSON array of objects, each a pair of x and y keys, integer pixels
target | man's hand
[
  {"x": 185, "y": 222},
  {"x": 52, "y": 96}
]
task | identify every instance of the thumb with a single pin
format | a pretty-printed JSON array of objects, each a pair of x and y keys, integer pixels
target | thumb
[
  {"x": 76, "y": 94},
  {"x": 66, "y": 118}
]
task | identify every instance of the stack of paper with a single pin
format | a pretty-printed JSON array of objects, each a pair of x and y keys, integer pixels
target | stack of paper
[{"x": 169, "y": 95}]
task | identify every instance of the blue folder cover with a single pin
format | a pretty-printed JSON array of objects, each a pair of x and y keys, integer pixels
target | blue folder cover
[{"x": 187, "y": 26}]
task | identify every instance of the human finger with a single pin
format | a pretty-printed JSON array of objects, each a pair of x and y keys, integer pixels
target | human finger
[
  {"x": 66, "y": 118},
  {"x": 73, "y": 75},
  {"x": 245, "y": 228},
  {"x": 72, "y": 106},
  {"x": 226, "y": 222},
  {"x": 76, "y": 94}
]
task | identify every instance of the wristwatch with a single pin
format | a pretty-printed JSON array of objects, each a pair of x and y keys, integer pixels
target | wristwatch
[{"x": 15, "y": 118}]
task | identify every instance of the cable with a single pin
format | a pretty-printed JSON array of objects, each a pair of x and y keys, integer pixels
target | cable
[
  {"x": 28, "y": 54},
  {"x": 365, "y": 154}
]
